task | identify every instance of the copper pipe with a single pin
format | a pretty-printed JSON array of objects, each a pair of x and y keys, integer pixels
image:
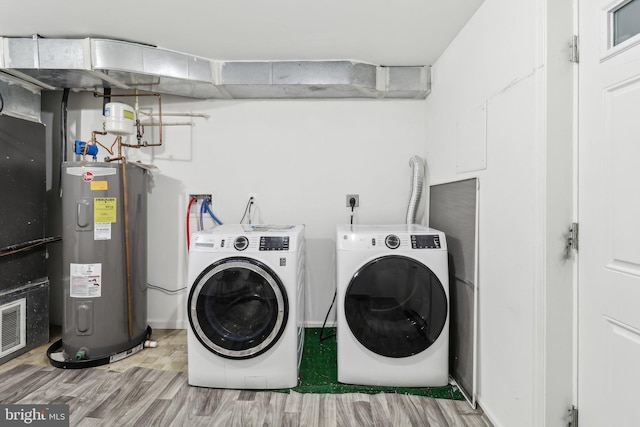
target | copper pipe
[
  {"x": 133, "y": 145},
  {"x": 109, "y": 150},
  {"x": 127, "y": 250},
  {"x": 94, "y": 139},
  {"x": 120, "y": 144},
  {"x": 112, "y": 159}
]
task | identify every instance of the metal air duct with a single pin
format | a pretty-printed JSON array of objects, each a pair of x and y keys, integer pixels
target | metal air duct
[{"x": 91, "y": 64}]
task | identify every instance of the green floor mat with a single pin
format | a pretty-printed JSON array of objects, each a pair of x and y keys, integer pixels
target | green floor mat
[{"x": 319, "y": 372}]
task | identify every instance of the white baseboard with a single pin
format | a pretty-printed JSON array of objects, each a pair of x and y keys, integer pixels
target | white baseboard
[
  {"x": 313, "y": 324},
  {"x": 167, "y": 324}
]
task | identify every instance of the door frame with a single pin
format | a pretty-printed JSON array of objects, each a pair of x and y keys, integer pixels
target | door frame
[{"x": 556, "y": 154}]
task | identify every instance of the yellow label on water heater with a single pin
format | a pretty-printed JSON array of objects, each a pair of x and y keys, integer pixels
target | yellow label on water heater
[
  {"x": 104, "y": 209},
  {"x": 99, "y": 185}
]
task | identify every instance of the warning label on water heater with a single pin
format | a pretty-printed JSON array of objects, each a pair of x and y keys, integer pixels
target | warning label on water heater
[
  {"x": 104, "y": 209},
  {"x": 102, "y": 231},
  {"x": 86, "y": 280}
]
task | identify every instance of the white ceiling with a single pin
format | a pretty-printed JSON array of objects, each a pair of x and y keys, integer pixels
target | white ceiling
[{"x": 382, "y": 32}]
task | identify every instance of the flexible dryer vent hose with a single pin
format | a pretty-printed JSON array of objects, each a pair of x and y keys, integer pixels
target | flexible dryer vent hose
[{"x": 417, "y": 184}]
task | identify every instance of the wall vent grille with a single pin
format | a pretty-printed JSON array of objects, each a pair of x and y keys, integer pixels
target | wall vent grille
[{"x": 12, "y": 326}]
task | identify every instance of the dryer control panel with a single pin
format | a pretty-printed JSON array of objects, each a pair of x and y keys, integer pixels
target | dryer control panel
[
  {"x": 396, "y": 238},
  {"x": 425, "y": 241}
]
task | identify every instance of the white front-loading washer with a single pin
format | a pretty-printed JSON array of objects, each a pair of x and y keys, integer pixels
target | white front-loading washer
[
  {"x": 392, "y": 306},
  {"x": 246, "y": 306}
]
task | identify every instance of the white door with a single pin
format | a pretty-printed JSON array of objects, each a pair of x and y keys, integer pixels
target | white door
[{"x": 609, "y": 213}]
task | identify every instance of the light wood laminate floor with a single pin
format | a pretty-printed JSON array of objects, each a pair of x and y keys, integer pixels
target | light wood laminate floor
[{"x": 150, "y": 389}]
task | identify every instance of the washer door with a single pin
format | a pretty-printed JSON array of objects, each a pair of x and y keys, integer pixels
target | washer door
[
  {"x": 395, "y": 306},
  {"x": 238, "y": 308}
]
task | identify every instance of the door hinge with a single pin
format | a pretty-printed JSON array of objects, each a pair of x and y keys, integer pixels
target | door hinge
[
  {"x": 573, "y": 416},
  {"x": 574, "y": 56},
  {"x": 572, "y": 237}
]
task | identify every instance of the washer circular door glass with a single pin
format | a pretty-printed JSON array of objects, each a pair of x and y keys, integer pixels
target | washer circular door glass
[
  {"x": 238, "y": 308},
  {"x": 395, "y": 306}
]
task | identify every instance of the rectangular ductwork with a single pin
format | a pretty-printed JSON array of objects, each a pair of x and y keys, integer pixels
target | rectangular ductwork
[
  {"x": 19, "y": 99},
  {"x": 91, "y": 64}
]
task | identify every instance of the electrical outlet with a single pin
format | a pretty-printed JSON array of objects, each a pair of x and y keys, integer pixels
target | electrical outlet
[{"x": 353, "y": 196}]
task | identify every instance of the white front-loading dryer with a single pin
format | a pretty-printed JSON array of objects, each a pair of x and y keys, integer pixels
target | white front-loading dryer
[
  {"x": 246, "y": 306},
  {"x": 392, "y": 306}
]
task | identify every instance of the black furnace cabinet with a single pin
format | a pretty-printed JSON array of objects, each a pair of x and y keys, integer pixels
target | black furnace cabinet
[{"x": 22, "y": 224}]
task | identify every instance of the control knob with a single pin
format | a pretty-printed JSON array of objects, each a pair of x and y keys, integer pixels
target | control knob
[
  {"x": 392, "y": 241},
  {"x": 241, "y": 243}
]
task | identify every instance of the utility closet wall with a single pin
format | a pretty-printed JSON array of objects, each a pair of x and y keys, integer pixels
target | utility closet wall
[
  {"x": 299, "y": 157},
  {"x": 487, "y": 118}
]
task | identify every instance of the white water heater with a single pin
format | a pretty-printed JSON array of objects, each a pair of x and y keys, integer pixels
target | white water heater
[{"x": 119, "y": 118}]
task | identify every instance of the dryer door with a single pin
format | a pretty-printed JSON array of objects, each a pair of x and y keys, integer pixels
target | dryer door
[
  {"x": 238, "y": 308},
  {"x": 395, "y": 306}
]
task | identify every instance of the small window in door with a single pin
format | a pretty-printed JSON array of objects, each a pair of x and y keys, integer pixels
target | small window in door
[{"x": 625, "y": 21}]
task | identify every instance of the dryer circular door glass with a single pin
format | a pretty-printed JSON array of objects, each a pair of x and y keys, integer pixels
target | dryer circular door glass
[
  {"x": 238, "y": 308},
  {"x": 395, "y": 306}
]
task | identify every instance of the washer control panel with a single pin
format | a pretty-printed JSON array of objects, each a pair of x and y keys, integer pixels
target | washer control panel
[
  {"x": 274, "y": 243},
  {"x": 425, "y": 241},
  {"x": 236, "y": 238}
]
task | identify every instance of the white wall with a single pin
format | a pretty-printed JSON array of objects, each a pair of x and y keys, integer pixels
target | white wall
[
  {"x": 488, "y": 117},
  {"x": 301, "y": 157}
]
